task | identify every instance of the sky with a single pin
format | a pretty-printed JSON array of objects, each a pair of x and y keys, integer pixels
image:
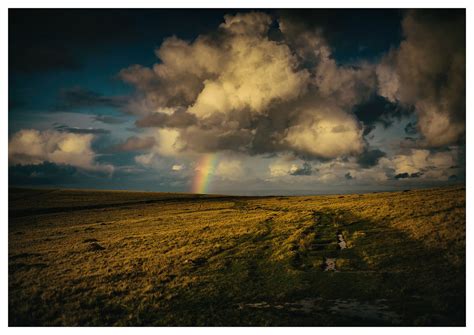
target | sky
[{"x": 248, "y": 102}]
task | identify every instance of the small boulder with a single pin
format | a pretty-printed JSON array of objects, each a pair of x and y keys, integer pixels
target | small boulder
[
  {"x": 196, "y": 261},
  {"x": 94, "y": 246}
]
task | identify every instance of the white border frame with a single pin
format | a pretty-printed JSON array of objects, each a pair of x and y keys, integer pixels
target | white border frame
[{"x": 220, "y": 4}]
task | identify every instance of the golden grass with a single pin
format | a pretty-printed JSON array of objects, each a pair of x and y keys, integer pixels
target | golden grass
[{"x": 131, "y": 258}]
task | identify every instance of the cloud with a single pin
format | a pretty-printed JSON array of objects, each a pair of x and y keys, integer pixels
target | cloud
[
  {"x": 240, "y": 90},
  {"x": 410, "y": 128},
  {"x": 145, "y": 159},
  {"x": 229, "y": 169},
  {"x": 370, "y": 158},
  {"x": 77, "y": 97},
  {"x": 305, "y": 170},
  {"x": 135, "y": 143},
  {"x": 252, "y": 24},
  {"x": 74, "y": 130},
  {"x": 326, "y": 133},
  {"x": 32, "y": 147},
  {"x": 168, "y": 119},
  {"x": 288, "y": 166},
  {"x": 281, "y": 167},
  {"x": 52, "y": 175},
  {"x": 381, "y": 110},
  {"x": 168, "y": 142},
  {"x": 177, "y": 167},
  {"x": 408, "y": 175},
  {"x": 422, "y": 163},
  {"x": 109, "y": 119},
  {"x": 427, "y": 71},
  {"x": 45, "y": 173},
  {"x": 369, "y": 32},
  {"x": 256, "y": 72}
]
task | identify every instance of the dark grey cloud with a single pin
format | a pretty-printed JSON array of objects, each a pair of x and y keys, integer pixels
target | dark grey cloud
[
  {"x": 381, "y": 110},
  {"x": 305, "y": 170},
  {"x": 405, "y": 175},
  {"x": 109, "y": 119},
  {"x": 67, "y": 129},
  {"x": 370, "y": 158},
  {"x": 134, "y": 129},
  {"x": 204, "y": 140},
  {"x": 348, "y": 176},
  {"x": 411, "y": 128},
  {"x": 44, "y": 174},
  {"x": 78, "y": 97},
  {"x": 178, "y": 119},
  {"x": 428, "y": 72},
  {"x": 48, "y": 174}
]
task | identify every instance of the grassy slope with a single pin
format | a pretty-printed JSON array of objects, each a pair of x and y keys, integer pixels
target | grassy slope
[{"x": 123, "y": 258}]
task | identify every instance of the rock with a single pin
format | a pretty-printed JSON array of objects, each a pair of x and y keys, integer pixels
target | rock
[
  {"x": 94, "y": 246},
  {"x": 341, "y": 242},
  {"x": 196, "y": 261},
  {"x": 330, "y": 264}
]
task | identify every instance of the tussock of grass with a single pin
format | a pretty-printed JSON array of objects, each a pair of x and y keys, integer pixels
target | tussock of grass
[{"x": 125, "y": 258}]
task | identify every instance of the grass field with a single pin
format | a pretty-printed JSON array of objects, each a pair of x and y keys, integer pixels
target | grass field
[{"x": 101, "y": 258}]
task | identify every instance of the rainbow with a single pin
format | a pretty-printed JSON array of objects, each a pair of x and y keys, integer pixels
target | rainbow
[{"x": 204, "y": 172}]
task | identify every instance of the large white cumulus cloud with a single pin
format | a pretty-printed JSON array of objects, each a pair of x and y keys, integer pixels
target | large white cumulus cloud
[{"x": 240, "y": 90}]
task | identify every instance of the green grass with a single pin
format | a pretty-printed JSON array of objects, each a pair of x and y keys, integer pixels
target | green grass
[{"x": 125, "y": 258}]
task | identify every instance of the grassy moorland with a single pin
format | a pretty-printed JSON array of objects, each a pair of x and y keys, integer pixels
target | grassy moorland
[{"x": 124, "y": 258}]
